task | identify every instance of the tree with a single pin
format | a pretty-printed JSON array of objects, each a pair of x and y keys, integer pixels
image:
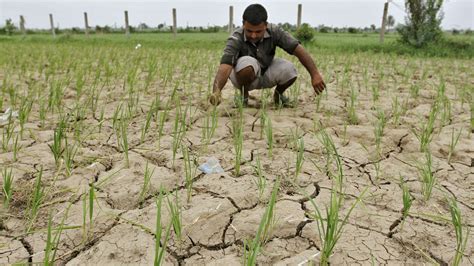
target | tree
[
  {"x": 304, "y": 33},
  {"x": 422, "y": 22},
  {"x": 390, "y": 21},
  {"x": 373, "y": 27},
  {"x": 143, "y": 26},
  {"x": 9, "y": 26}
]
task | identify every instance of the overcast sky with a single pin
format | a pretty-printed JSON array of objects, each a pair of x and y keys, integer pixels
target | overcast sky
[{"x": 339, "y": 13}]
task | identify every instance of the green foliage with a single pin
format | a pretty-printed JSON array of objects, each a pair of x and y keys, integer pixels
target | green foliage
[
  {"x": 9, "y": 27},
  {"x": 304, "y": 33},
  {"x": 422, "y": 22}
]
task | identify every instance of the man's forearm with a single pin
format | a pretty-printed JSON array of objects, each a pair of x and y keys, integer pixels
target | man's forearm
[
  {"x": 222, "y": 75},
  {"x": 306, "y": 60}
]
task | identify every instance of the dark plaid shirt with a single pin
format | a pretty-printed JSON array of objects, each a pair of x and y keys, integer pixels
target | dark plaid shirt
[{"x": 264, "y": 51}]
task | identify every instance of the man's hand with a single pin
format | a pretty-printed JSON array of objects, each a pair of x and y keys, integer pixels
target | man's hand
[
  {"x": 215, "y": 98},
  {"x": 318, "y": 83}
]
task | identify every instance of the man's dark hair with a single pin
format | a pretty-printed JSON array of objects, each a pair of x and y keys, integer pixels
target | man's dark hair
[{"x": 255, "y": 14}]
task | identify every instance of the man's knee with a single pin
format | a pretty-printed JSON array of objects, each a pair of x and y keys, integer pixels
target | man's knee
[{"x": 245, "y": 76}]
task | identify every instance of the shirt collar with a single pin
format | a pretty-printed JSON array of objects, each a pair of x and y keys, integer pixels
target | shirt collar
[{"x": 265, "y": 35}]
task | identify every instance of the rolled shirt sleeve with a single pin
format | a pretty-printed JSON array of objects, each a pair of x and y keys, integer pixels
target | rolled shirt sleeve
[
  {"x": 284, "y": 40},
  {"x": 231, "y": 51}
]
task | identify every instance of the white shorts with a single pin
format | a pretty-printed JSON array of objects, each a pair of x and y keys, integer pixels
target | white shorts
[{"x": 279, "y": 72}]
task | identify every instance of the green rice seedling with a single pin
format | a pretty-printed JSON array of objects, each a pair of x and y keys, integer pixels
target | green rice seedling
[
  {"x": 365, "y": 78},
  {"x": 85, "y": 232},
  {"x": 179, "y": 129},
  {"x": 36, "y": 199},
  {"x": 396, "y": 111},
  {"x": 146, "y": 183},
  {"x": 345, "y": 139},
  {"x": 7, "y": 133},
  {"x": 88, "y": 212},
  {"x": 78, "y": 124},
  {"x": 176, "y": 219},
  {"x": 377, "y": 170},
  {"x": 425, "y": 134},
  {"x": 160, "y": 248},
  {"x": 407, "y": 201},
  {"x": 210, "y": 125},
  {"x": 375, "y": 93},
  {"x": 57, "y": 146},
  {"x": 262, "y": 118},
  {"x": 52, "y": 242},
  {"x": 260, "y": 181},
  {"x": 317, "y": 102},
  {"x": 24, "y": 113},
  {"x": 330, "y": 151},
  {"x": 16, "y": 148},
  {"x": 453, "y": 143},
  {"x": 330, "y": 227},
  {"x": 49, "y": 244},
  {"x": 70, "y": 152},
  {"x": 299, "y": 156},
  {"x": 295, "y": 92},
  {"x": 461, "y": 234},
  {"x": 352, "y": 114},
  {"x": 13, "y": 94},
  {"x": 446, "y": 114},
  {"x": 427, "y": 178},
  {"x": 56, "y": 94},
  {"x": 269, "y": 134},
  {"x": 252, "y": 247},
  {"x": 93, "y": 99},
  {"x": 43, "y": 109},
  {"x": 214, "y": 121},
  {"x": 237, "y": 132},
  {"x": 379, "y": 128},
  {"x": 101, "y": 119},
  {"x": 146, "y": 125},
  {"x": 116, "y": 119},
  {"x": 7, "y": 187},
  {"x": 91, "y": 205},
  {"x": 121, "y": 131},
  {"x": 189, "y": 171},
  {"x": 414, "y": 90},
  {"x": 80, "y": 82}
]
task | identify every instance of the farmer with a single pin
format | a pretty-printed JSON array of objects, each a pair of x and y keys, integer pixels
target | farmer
[{"x": 249, "y": 62}]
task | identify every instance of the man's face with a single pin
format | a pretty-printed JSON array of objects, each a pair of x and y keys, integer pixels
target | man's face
[{"x": 254, "y": 33}]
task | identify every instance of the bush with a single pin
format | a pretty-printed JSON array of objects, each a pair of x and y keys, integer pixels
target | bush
[
  {"x": 9, "y": 27},
  {"x": 352, "y": 30},
  {"x": 304, "y": 33},
  {"x": 422, "y": 22},
  {"x": 324, "y": 29}
]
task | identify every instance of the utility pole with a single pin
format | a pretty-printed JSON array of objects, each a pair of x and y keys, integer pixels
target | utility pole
[
  {"x": 298, "y": 23},
  {"x": 384, "y": 22},
  {"x": 22, "y": 25},
  {"x": 231, "y": 19},
  {"x": 127, "y": 27},
  {"x": 175, "y": 24},
  {"x": 51, "y": 21},
  {"x": 86, "y": 24}
]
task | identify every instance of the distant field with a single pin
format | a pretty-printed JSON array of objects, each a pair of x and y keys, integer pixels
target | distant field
[
  {"x": 456, "y": 46},
  {"x": 99, "y": 158}
]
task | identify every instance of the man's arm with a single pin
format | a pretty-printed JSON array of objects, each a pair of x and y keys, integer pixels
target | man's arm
[
  {"x": 308, "y": 62},
  {"x": 220, "y": 80}
]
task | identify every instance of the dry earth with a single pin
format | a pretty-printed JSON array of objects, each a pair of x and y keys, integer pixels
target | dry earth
[{"x": 225, "y": 209}]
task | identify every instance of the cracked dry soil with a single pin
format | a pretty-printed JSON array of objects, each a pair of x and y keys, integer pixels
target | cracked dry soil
[{"x": 225, "y": 209}]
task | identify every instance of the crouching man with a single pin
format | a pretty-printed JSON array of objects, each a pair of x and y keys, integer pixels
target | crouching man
[{"x": 249, "y": 60}]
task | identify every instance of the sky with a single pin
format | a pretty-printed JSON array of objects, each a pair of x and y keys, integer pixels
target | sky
[{"x": 337, "y": 13}]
